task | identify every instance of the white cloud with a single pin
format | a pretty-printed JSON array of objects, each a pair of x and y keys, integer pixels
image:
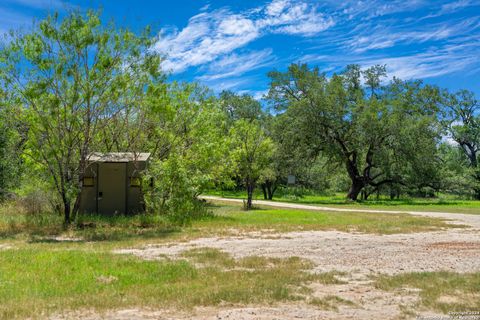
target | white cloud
[
  {"x": 424, "y": 65},
  {"x": 382, "y": 37},
  {"x": 258, "y": 95},
  {"x": 207, "y": 36},
  {"x": 212, "y": 35},
  {"x": 365, "y": 10},
  {"x": 229, "y": 84},
  {"x": 454, "y": 6},
  {"x": 235, "y": 65},
  {"x": 294, "y": 18},
  {"x": 276, "y": 7},
  {"x": 430, "y": 64}
]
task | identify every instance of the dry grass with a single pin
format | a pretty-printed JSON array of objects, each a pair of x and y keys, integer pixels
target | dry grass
[
  {"x": 442, "y": 291},
  {"x": 330, "y": 302}
]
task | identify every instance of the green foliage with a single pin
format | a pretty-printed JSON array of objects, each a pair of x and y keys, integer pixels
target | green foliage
[
  {"x": 386, "y": 135},
  {"x": 174, "y": 191},
  {"x": 252, "y": 152},
  {"x": 11, "y": 145},
  {"x": 238, "y": 107},
  {"x": 463, "y": 125},
  {"x": 73, "y": 77},
  {"x": 189, "y": 151},
  {"x": 76, "y": 85}
]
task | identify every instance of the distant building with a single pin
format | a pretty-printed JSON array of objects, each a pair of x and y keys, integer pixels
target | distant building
[{"x": 112, "y": 183}]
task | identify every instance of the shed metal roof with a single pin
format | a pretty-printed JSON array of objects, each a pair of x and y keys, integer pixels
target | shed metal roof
[{"x": 118, "y": 156}]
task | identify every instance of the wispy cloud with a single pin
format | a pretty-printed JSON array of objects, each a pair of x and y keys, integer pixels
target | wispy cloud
[
  {"x": 383, "y": 37},
  {"x": 456, "y": 5},
  {"x": 433, "y": 63},
  {"x": 365, "y": 10},
  {"x": 283, "y": 16},
  {"x": 211, "y": 35},
  {"x": 235, "y": 65},
  {"x": 424, "y": 65},
  {"x": 206, "y": 37}
]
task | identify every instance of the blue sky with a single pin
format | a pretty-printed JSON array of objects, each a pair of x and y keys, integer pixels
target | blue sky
[{"x": 233, "y": 44}]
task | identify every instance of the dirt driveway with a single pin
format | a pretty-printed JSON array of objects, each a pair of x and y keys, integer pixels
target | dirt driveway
[{"x": 359, "y": 255}]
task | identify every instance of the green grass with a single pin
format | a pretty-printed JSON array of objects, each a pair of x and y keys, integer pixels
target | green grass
[
  {"x": 35, "y": 283},
  {"x": 226, "y": 219},
  {"x": 442, "y": 291},
  {"x": 284, "y": 220},
  {"x": 441, "y": 204}
]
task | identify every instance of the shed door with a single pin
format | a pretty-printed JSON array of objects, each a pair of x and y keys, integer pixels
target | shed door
[{"x": 111, "y": 188}]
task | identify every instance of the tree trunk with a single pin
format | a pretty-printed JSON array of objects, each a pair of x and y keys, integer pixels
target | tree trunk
[
  {"x": 477, "y": 194},
  {"x": 477, "y": 189},
  {"x": 66, "y": 209},
  {"x": 76, "y": 205},
  {"x": 268, "y": 189},
  {"x": 358, "y": 182},
  {"x": 272, "y": 191},
  {"x": 250, "y": 187},
  {"x": 355, "y": 189},
  {"x": 264, "y": 189}
]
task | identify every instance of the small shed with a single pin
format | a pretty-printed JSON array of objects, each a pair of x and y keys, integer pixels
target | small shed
[{"x": 112, "y": 183}]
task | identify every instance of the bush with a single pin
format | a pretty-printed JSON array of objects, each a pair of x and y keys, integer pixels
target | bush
[
  {"x": 35, "y": 203},
  {"x": 173, "y": 192}
]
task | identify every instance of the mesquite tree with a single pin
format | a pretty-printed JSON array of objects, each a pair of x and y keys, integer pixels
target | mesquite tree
[
  {"x": 73, "y": 76},
  {"x": 252, "y": 152}
]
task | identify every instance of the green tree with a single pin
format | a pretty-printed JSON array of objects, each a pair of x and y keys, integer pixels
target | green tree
[
  {"x": 252, "y": 151},
  {"x": 463, "y": 124},
  {"x": 239, "y": 107},
  {"x": 12, "y": 138},
  {"x": 185, "y": 131},
  {"x": 367, "y": 129},
  {"x": 455, "y": 170},
  {"x": 73, "y": 76}
]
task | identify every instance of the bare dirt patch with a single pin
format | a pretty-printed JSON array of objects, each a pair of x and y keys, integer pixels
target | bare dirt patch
[
  {"x": 361, "y": 256},
  {"x": 5, "y": 247},
  {"x": 455, "y": 245}
]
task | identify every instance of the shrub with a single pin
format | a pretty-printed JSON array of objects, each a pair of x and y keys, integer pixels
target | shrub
[{"x": 173, "y": 192}]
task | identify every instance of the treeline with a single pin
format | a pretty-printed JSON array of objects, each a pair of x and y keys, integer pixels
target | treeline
[{"x": 72, "y": 86}]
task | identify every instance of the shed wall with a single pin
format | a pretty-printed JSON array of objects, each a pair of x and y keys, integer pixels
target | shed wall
[{"x": 132, "y": 197}]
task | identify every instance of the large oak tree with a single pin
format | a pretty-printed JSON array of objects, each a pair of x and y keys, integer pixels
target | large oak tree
[{"x": 372, "y": 130}]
